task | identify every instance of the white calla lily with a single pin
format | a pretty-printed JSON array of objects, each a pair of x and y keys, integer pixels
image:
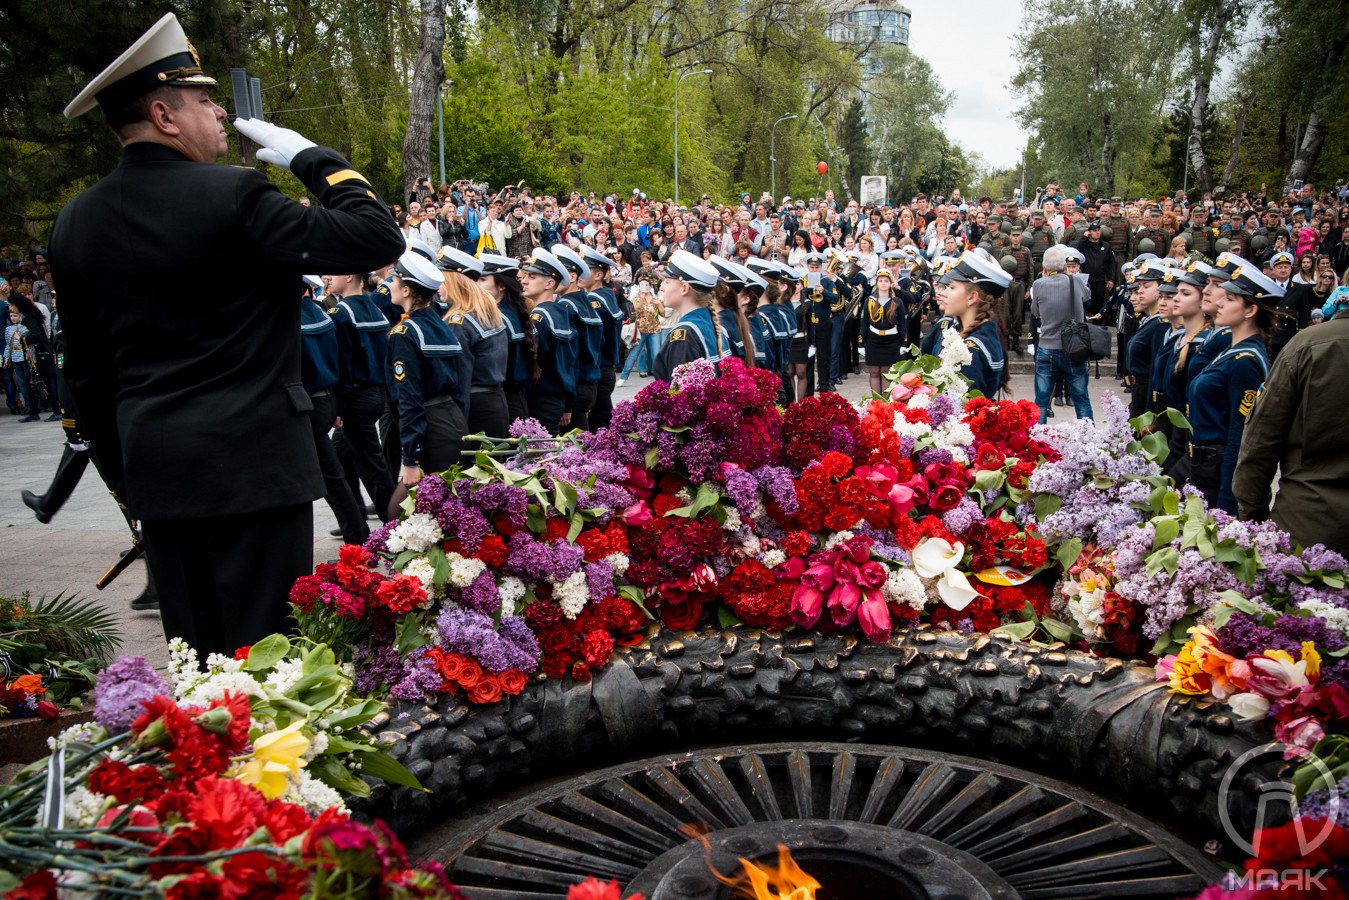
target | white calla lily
[
  {"x": 935, "y": 556},
  {"x": 955, "y": 590}
]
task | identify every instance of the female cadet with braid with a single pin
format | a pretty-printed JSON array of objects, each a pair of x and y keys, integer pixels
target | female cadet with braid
[
  {"x": 975, "y": 286},
  {"x": 501, "y": 281},
  {"x": 687, "y": 290},
  {"x": 730, "y": 316},
  {"x": 480, "y": 327}
]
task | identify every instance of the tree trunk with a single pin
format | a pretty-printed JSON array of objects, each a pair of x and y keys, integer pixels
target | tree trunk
[
  {"x": 1235, "y": 152},
  {"x": 1106, "y": 178},
  {"x": 1317, "y": 126},
  {"x": 427, "y": 73},
  {"x": 1205, "y": 60}
]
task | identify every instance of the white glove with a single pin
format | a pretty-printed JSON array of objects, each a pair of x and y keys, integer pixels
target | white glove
[
  {"x": 810, "y": 353},
  {"x": 1030, "y": 348},
  {"x": 278, "y": 145}
]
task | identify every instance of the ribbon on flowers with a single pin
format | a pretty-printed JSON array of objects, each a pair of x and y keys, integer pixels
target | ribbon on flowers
[{"x": 1003, "y": 576}]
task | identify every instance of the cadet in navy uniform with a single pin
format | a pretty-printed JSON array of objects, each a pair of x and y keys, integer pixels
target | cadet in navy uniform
[
  {"x": 974, "y": 289},
  {"x": 932, "y": 341},
  {"x": 762, "y": 326},
  {"x": 780, "y": 313},
  {"x": 1220, "y": 397},
  {"x": 480, "y": 327},
  {"x": 1195, "y": 330},
  {"x": 886, "y": 323},
  {"x": 363, "y": 393},
  {"x": 320, "y": 372},
  {"x": 1221, "y": 338},
  {"x": 553, "y": 393},
  {"x": 205, "y": 436},
  {"x": 1147, "y": 340},
  {"x": 601, "y": 292},
  {"x": 501, "y": 281},
  {"x": 432, "y": 373},
  {"x": 589, "y": 327},
  {"x": 730, "y": 318},
  {"x": 687, "y": 290}
]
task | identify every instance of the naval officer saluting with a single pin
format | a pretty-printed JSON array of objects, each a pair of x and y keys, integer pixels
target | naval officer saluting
[{"x": 190, "y": 387}]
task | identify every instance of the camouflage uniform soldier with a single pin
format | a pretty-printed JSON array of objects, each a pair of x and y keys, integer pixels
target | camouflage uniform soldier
[
  {"x": 1022, "y": 276},
  {"x": 1038, "y": 238},
  {"x": 1153, "y": 231},
  {"x": 1120, "y": 235},
  {"x": 994, "y": 240}
]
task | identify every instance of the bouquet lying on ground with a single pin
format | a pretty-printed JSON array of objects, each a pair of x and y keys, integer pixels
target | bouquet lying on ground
[
  {"x": 218, "y": 783},
  {"x": 50, "y": 651}
]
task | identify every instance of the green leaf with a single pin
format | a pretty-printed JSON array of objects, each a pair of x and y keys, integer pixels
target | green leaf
[
  {"x": 381, "y": 765},
  {"x": 1154, "y": 445},
  {"x": 1046, "y": 505},
  {"x": 574, "y": 530},
  {"x": 726, "y": 618},
  {"x": 403, "y": 559},
  {"x": 1327, "y": 764},
  {"x": 1166, "y": 530},
  {"x": 1246, "y": 569},
  {"x": 1178, "y": 419},
  {"x": 637, "y": 597},
  {"x": 352, "y": 716},
  {"x": 1017, "y": 631},
  {"x": 652, "y": 458},
  {"x": 331, "y": 772},
  {"x": 535, "y": 519},
  {"x": 267, "y": 653},
  {"x": 990, "y": 479},
  {"x": 408, "y": 637},
  {"x": 1171, "y": 503},
  {"x": 1068, "y": 552},
  {"x": 1167, "y": 558},
  {"x": 435, "y": 555},
  {"x": 1058, "y": 630}
]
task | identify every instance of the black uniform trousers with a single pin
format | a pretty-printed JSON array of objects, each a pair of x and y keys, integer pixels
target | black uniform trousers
[
  {"x": 359, "y": 440},
  {"x": 243, "y": 565},
  {"x": 549, "y": 409},
  {"x": 586, "y": 392},
  {"x": 517, "y": 404},
  {"x": 336, "y": 491},
  {"x": 487, "y": 412},
  {"x": 603, "y": 410},
  {"x": 824, "y": 336}
]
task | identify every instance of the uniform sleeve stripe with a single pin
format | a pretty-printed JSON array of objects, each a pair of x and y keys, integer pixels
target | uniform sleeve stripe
[{"x": 345, "y": 175}]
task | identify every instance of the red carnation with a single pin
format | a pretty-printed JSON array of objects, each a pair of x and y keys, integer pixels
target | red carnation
[
  {"x": 596, "y": 647},
  {"x": 124, "y": 783},
  {"x": 401, "y": 594},
  {"x": 580, "y": 672},
  {"x": 493, "y": 551}
]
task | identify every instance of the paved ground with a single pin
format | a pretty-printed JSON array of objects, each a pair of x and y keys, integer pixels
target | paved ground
[{"x": 72, "y": 552}]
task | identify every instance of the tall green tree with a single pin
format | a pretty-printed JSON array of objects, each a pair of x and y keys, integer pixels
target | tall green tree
[
  {"x": 906, "y": 104},
  {"x": 854, "y": 141}
]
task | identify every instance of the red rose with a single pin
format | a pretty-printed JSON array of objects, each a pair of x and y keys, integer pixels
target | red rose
[
  {"x": 512, "y": 681},
  {"x": 469, "y": 675},
  {"x": 487, "y": 690},
  {"x": 682, "y": 616},
  {"x": 946, "y": 495},
  {"x": 48, "y": 710}
]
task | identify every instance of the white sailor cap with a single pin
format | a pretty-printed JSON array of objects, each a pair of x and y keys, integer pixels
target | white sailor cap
[
  {"x": 1144, "y": 257},
  {"x": 755, "y": 283},
  {"x": 546, "y": 264},
  {"x": 1071, "y": 255},
  {"x": 814, "y": 258},
  {"x": 160, "y": 57},
  {"x": 1230, "y": 262},
  {"x": 595, "y": 258},
  {"x": 417, "y": 245},
  {"x": 1249, "y": 281},
  {"x": 790, "y": 274},
  {"x": 493, "y": 263},
  {"x": 1283, "y": 256},
  {"x": 416, "y": 269},
  {"x": 452, "y": 259},
  {"x": 893, "y": 256},
  {"x": 727, "y": 271},
  {"x": 979, "y": 269},
  {"x": 942, "y": 264},
  {"x": 313, "y": 281},
  {"x": 692, "y": 270},
  {"x": 569, "y": 258}
]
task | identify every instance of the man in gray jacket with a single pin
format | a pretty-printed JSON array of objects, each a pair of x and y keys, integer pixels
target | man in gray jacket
[{"x": 1057, "y": 299}]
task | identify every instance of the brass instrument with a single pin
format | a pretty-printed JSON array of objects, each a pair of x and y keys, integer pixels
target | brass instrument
[{"x": 838, "y": 260}]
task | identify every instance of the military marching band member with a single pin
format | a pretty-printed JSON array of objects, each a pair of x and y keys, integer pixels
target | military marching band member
[
  {"x": 432, "y": 374},
  {"x": 975, "y": 286},
  {"x": 589, "y": 327},
  {"x": 1143, "y": 346},
  {"x": 553, "y": 393},
  {"x": 886, "y": 327},
  {"x": 223, "y": 395},
  {"x": 730, "y": 318},
  {"x": 601, "y": 290},
  {"x": 320, "y": 362},
  {"x": 1221, "y": 396},
  {"x": 821, "y": 293},
  {"x": 500, "y": 279},
  {"x": 477, "y": 322},
  {"x": 687, "y": 289}
]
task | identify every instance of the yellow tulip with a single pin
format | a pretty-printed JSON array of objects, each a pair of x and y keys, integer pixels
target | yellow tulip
[
  {"x": 275, "y": 755},
  {"x": 267, "y": 777}
]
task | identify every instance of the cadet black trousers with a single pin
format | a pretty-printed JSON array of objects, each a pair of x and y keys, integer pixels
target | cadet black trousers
[
  {"x": 359, "y": 439},
  {"x": 225, "y": 581},
  {"x": 336, "y": 491},
  {"x": 487, "y": 412},
  {"x": 603, "y": 410}
]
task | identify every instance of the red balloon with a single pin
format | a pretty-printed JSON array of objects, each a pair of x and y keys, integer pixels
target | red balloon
[{"x": 822, "y": 167}]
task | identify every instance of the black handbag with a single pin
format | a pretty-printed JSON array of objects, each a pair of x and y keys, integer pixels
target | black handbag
[{"x": 1084, "y": 342}]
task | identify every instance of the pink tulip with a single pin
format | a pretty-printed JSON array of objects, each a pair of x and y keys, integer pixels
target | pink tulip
[
  {"x": 794, "y": 567},
  {"x": 807, "y": 604},
  {"x": 638, "y": 515},
  {"x": 1298, "y": 736},
  {"x": 702, "y": 578},
  {"x": 639, "y": 482},
  {"x": 874, "y": 616},
  {"x": 872, "y": 574},
  {"x": 843, "y": 602}
]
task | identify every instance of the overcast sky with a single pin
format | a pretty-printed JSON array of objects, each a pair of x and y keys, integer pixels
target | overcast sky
[{"x": 969, "y": 44}]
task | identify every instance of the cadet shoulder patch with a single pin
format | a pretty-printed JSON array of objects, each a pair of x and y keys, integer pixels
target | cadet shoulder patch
[
  {"x": 399, "y": 329},
  {"x": 1247, "y": 399},
  {"x": 399, "y": 370},
  {"x": 456, "y": 319},
  {"x": 537, "y": 317},
  {"x": 594, "y": 304},
  {"x": 677, "y": 334}
]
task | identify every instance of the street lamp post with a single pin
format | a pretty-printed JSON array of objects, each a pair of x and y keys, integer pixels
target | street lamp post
[
  {"x": 682, "y": 76},
  {"x": 773, "y": 154}
]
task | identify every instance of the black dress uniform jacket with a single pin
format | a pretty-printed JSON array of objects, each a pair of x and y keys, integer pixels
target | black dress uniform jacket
[{"x": 178, "y": 283}]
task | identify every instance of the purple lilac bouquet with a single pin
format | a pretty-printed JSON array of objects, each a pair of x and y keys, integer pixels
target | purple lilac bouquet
[
  {"x": 121, "y": 688},
  {"x": 1098, "y": 491}
]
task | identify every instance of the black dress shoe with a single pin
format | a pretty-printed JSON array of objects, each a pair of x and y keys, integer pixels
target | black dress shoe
[
  {"x": 148, "y": 599},
  {"x": 336, "y": 532},
  {"x": 370, "y": 511},
  {"x": 34, "y": 502},
  {"x": 29, "y": 419}
]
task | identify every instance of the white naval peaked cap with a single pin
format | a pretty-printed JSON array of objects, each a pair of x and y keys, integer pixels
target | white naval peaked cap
[
  {"x": 452, "y": 259},
  {"x": 692, "y": 270},
  {"x": 313, "y": 281},
  {"x": 572, "y": 260},
  {"x": 979, "y": 269},
  {"x": 495, "y": 262},
  {"x": 419, "y": 270},
  {"x": 162, "y": 56}
]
